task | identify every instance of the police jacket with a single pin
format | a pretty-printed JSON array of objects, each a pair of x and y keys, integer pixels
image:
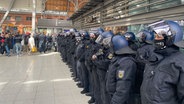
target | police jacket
[
  {"x": 163, "y": 81},
  {"x": 120, "y": 79},
  {"x": 142, "y": 53},
  {"x": 72, "y": 46},
  {"x": 102, "y": 62},
  {"x": 90, "y": 51},
  {"x": 79, "y": 50},
  {"x": 85, "y": 43}
]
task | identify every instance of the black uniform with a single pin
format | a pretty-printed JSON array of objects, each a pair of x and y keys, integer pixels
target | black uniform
[
  {"x": 163, "y": 77},
  {"x": 102, "y": 63},
  {"x": 84, "y": 70},
  {"x": 121, "y": 79}
]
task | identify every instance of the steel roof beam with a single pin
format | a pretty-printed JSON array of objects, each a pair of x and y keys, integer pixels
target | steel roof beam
[{"x": 7, "y": 12}]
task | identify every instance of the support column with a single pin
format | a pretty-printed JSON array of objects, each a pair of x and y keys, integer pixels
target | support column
[
  {"x": 101, "y": 16},
  {"x": 34, "y": 17},
  {"x": 7, "y": 12}
]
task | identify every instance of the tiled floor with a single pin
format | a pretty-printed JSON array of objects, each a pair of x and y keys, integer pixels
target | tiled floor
[{"x": 37, "y": 79}]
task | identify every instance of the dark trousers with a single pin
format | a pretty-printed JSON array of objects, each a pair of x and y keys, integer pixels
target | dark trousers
[
  {"x": 104, "y": 94},
  {"x": 96, "y": 81},
  {"x": 79, "y": 72},
  {"x": 42, "y": 46},
  {"x": 91, "y": 80},
  {"x": 64, "y": 54},
  {"x": 85, "y": 76},
  {"x": 74, "y": 66}
]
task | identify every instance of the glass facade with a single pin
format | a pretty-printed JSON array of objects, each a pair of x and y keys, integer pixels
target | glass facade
[
  {"x": 125, "y": 8},
  {"x": 136, "y": 28},
  {"x": 161, "y": 4}
]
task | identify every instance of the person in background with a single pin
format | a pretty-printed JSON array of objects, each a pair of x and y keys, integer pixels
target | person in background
[
  {"x": 18, "y": 47},
  {"x": 48, "y": 44},
  {"x": 2, "y": 40},
  {"x": 7, "y": 44},
  {"x": 42, "y": 41},
  {"x": 31, "y": 43},
  {"x": 36, "y": 38},
  {"x": 26, "y": 39},
  {"x": 54, "y": 40}
]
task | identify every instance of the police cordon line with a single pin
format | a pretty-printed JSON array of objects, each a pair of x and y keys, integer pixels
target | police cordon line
[{"x": 146, "y": 68}]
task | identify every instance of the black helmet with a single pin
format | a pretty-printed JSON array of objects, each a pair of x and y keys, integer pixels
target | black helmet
[
  {"x": 145, "y": 36},
  {"x": 167, "y": 33},
  {"x": 120, "y": 45}
]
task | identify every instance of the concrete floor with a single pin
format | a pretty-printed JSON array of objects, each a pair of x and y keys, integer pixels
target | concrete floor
[{"x": 37, "y": 79}]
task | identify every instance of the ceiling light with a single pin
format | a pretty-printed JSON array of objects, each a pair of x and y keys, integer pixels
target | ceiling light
[{"x": 119, "y": 11}]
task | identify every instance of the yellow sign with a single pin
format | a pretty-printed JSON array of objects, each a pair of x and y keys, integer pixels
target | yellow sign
[{"x": 10, "y": 24}]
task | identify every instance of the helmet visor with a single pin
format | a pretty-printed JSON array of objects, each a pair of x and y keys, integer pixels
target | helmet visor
[
  {"x": 160, "y": 29},
  {"x": 99, "y": 40},
  {"x": 141, "y": 37},
  {"x": 107, "y": 41}
]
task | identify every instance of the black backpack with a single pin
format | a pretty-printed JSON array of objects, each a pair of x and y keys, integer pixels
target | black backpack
[{"x": 26, "y": 39}]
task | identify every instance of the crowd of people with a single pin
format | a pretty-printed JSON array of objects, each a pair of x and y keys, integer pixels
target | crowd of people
[
  {"x": 146, "y": 68},
  {"x": 17, "y": 44}
]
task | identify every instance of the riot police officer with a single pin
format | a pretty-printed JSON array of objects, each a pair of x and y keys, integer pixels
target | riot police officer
[
  {"x": 130, "y": 37},
  {"x": 145, "y": 39},
  {"x": 102, "y": 60},
  {"x": 84, "y": 70},
  {"x": 121, "y": 73},
  {"x": 164, "y": 74}
]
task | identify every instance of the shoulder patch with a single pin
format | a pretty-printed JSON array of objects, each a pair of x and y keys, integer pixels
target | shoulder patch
[{"x": 121, "y": 74}]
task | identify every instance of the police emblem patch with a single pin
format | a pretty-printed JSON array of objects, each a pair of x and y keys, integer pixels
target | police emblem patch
[
  {"x": 121, "y": 74},
  {"x": 110, "y": 56}
]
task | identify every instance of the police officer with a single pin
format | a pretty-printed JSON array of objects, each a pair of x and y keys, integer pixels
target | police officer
[
  {"x": 163, "y": 76},
  {"x": 145, "y": 39},
  {"x": 102, "y": 60},
  {"x": 78, "y": 53},
  {"x": 130, "y": 37},
  {"x": 76, "y": 63},
  {"x": 121, "y": 73},
  {"x": 84, "y": 70}
]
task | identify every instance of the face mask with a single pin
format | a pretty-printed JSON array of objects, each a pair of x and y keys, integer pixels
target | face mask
[{"x": 159, "y": 44}]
